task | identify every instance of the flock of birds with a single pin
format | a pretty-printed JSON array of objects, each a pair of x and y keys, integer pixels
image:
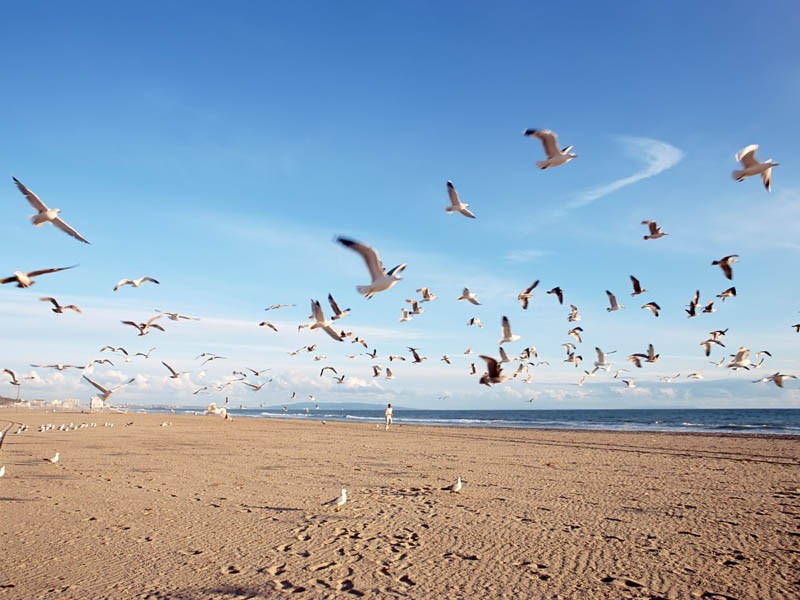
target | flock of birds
[{"x": 381, "y": 280}]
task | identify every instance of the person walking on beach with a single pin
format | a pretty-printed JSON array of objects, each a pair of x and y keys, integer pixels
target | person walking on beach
[{"x": 388, "y": 414}]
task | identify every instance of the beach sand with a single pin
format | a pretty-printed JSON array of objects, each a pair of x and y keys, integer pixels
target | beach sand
[{"x": 208, "y": 508}]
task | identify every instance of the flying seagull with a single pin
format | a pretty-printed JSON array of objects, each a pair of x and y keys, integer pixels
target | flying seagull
[
  {"x": 637, "y": 287},
  {"x": 455, "y": 204},
  {"x": 555, "y": 157},
  {"x": 559, "y": 293},
  {"x": 173, "y": 373},
  {"x": 45, "y": 214},
  {"x": 652, "y": 307},
  {"x": 508, "y": 337},
  {"x": 527, "y": 294},
  {"x": 493, "y": 371},
  {"x": 655, "y": 231},
  {"x": 24, "y": 280},
  {"x": 144, "y": 328},
  {"x": 725, "y": 264},
  {"x": 14, "y": 380},
  {"x": 469, "y": 297},
  {"x": 105, "y": 393},
  {"x": 776, "y": 378},
  {"x": 173, "y": 316},
  {"x": 58, "y": 308},
  {"x": 320, "y": 322},
  {"x": 612, "y": 299},
  {"x": 338, "y": 313},
  {"x": 729, "y": 293},
  {"x": 134, "y": 282},
  {"x": 752, "y": 166},
  {"x": 381, "y": 279},
  {"x": 427, "y": 295}
]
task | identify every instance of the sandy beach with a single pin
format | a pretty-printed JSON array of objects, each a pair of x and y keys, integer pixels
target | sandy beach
[{"x": 206, "y": 508}]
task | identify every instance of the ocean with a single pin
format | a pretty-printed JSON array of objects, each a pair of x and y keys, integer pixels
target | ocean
[{"x": 739, "y": 421}]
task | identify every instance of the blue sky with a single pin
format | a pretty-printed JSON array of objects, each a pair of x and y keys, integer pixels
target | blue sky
[{"x": 222, "y": 152}]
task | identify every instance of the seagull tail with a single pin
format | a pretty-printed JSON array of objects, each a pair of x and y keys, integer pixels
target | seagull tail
[
  {"x": 365, "y": 290},
  {"x": 542, "y": 164},
  {"x": 738, "y": 175}
]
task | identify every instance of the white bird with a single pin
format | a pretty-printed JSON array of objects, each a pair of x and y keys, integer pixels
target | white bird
[
  {"x": 629, "y": 383},
  {"x": 381, "y": 279},
  {"x": 725, "y": 264},
  {"x": 25, "y": 280},
  {"x": 476, "y": 321},
  {"x": 455, "y": 204},
  {"x": 455, "y": 487},
  {"x": 59, "y": 308},
  {"x": 752, "y": 166},
  {"x": 45, "y": 214},
  {"x": 389, "y": 374},
  {"x": 469, "y": 297},
  {"x": 338, "y": 313},
  {"x": 144, "y": 328},
  {"x": 2, "y": 471},
  {"x": 508, "y": 337},
  {"x": 555, "y": 157},
  {"x": 612, "y": 299},
  {"x": 174, "y": 374},
  {"x": 320, "y": 322},
  {"x": 741, "y": 360},
  {"x": 574, "y": 315},
  {"x": 212, "y": 409},
  {"x": 105, "y": 393},
  {"x": 493, "y": 372},
  {"x": 652, "y": 307},
  {"x": 405, "y": 316},
  {"x": 54, "y": 459},
  {"x": 776, "y": 378},
  {"x": 173, "y": 316},
  {"x": 134, "y": 282},
  {"x": 525, "y": 295},
  {"x": 601, "y": 358},
  {"x": 427, "y": 295},
  {"x": 337, "y": 502},
  {"x": 14, "y": 380}
]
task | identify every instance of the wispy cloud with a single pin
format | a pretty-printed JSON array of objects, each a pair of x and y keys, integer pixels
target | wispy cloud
[
  {"x": 657, "y": 157},
  {"x": 525, "y": 256}
]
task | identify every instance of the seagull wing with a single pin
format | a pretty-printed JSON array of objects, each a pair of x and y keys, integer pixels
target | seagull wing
[
  {"x": 334, "y": 307},
  {"x": 491, "y": 365},
  {"x": 53, "y": 301},
  {"x": 369, "y": 255},
  {"x": 44, "y": 271},
  {"x": 612, "y": 299},
  {"x": 637, "y": 288},
  {"x": 453, "y": 194},
  {"x": 506, "y": 329},
  {"x": 59, "y": 222},
  {"x": 170, "y": 369},
  {"x": 747, "y": 156},
  {"x": 333, "y": 333},
  {"x": 97, "y": 385},
  {"x": 316, "y": 311},
  {"x": 33, "y": 199},
  {"x": 549, "y": 141}
]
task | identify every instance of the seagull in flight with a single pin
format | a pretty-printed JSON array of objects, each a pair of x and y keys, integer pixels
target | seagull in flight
[
  {"x": 652, "y": 307},
  {"x": 574, "y": 315},
  {"x": 725, "y": 264},
  {"x": 508, "y": 337},
  {"x": 277, "y": 306},
  {"x": 144, "y": 328},
  {"x": 559, "y": 293},
  {"x": 173, "y": 373},
  {"x": 612, "y": 299},
  {"x": 24, "y": 280},
  {"x": 45, "y": 214},
  {"x": 655, "y": 231},
  {"x": 338, "y": 313},
  {"x": 427, "y": 295},
  {"x": 173, "y": 316},
  {"x": 381, "y": 279},
  {"x": 527, "y": 294},
  {"x": 58, "y": 308},
  {"x": 637, "y": 287},
  {"x": 752, "y": 166},
  {"x": 320, "y": 322},
  {"x": 469, "y": 297},
  {"x": 729, "y": 293},
  {"x": 555, "y": 157},
  {"x": 134, "y": 282},
  {"x": 105, "y": 393},
  {"x": 455, "y": 204},
  {"x": 14, "y": 380},
  {"x": 776, "y": 378},
  {"x": 493, "y": 372}
]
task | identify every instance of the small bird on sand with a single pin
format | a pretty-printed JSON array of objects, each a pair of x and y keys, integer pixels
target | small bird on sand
[
  {"x": 337, "y": 502},
  {"x": 555, "y": 157},
  {"x": 54, "y": 459},
  {"x": 752, "y": 166},
  {"x": 455, "y": 487}
]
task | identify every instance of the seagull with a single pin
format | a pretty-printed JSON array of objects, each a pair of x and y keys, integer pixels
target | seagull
[
  {"x": 415, "y": 309},
  {"x": 629, "y": 383},
  {"x": 24, "y": 280},
  {"x": 729, "y": 293},
  {"x": 393, "y": 357},
  {"x": 145, "y": 354},
  {"x": 716, "y": 334},
  {"x": 14, "y": 380},
  {"x": 445, "y": 359},
  {"x": 776, "y": 378},
  {"x": 741, "y": 360},
  {"x": 455, "y": 204},
  {"x": 725, "y": 264},
  {"x": 45, "y": 214},
  {"x": 508, "y": 337},
  {"x": 655, "y": 231},
  {"x": 601, "y": 358},
  {"x": 576, "y": 333},
  {"x": 339, "y": 501},
  {"x": 469, "y": 297},
  {"x": 254, "y": 387},
  {"x": 576, "y": 360},
  {"x": 706, "y": 344},
  {"x": 277, "y": 306},
  {"x": 58, "y": 308},
  {"x": 105, "y": 393},
  {"x": 58, "y": 367},
  {"x": 456, "y": 487},
  {"x": 555, "y": 157},
  {"x": 503, "y": 356},
  {"x": 709, "y": 308},
  {"x": 415, "y": 354},
  {"x": 121, "y": 350},
  {"x": 212, "y": 409},
  {"x": 381, "y": 279},
  {"x": 173, "y": 316},
  {"x": 637, "y": 288},
  {"x": 493, "y": 372},
  {"x": 574, "y": 315},
  {"x": 389, "y": 374},
  {"x": 144, "y": 328},
  {"x": 340, "y": 379},
  {"x": 54, "y": 459},
  {"x": 696, "y": 375},
  {"x": 376, "y": 370},
  {"x": 337, "y": 312},
  {"x": 613, "y": 301},
  {"x": 527, "y": 294},
  {"x": 796, "y": 327},
  {"x": 427, "y": 296},
  {"x": 268, "y": 324},
  {"x": 328, "y": 368},
  {"x": 134, "y": 282},
  {"x": 652, "y": 307},
  {"x": 475, "y": 321},
  {"x": 320, "y": 322},
  {"x": 174, "y": 374},
  {"x": 2, "y": 471},
  {"x": 752, "y": 166}
]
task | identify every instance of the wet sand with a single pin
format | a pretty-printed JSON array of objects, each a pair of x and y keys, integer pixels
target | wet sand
[{"x": 207, "y": 508}]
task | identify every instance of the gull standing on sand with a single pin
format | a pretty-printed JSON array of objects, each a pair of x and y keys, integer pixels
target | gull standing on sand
[
  {"x": 555, "y": 157},
  {"x": 24, "y": 280},
  {"x": 320, "y": 322},
  {"x": 337, "y": 502},
  {"x": 455, "y": 204},
  {"x": 381, "y": 279},
  {"x": 58, "y": 308},
  {"x": 455, "y": 487},
  {"x": 752, "y": 166},
  {"x": 135, "y": 282},
  {"x": 45, "y": 214},
  {"x": 54, "y": 459}
]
